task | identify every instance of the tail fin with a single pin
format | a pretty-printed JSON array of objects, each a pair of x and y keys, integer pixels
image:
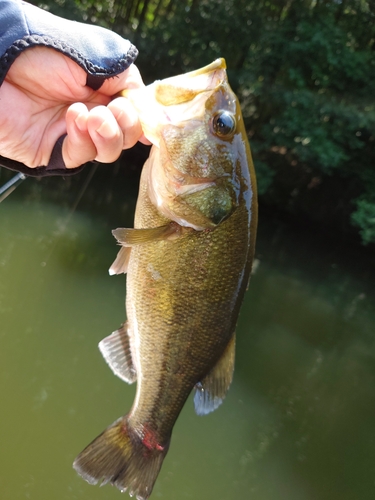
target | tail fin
[{"x": 119, "y": 456}]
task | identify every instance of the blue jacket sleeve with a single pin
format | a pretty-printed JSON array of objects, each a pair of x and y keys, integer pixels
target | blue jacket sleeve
[{"x": 100, "y": 52}]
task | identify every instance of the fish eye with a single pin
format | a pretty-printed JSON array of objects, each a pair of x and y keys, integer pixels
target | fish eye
[{"x": 223, "y": 123}]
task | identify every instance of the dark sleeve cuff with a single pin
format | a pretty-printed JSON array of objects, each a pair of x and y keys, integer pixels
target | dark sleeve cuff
[
  {"x": 100, "y": 52},
  {"x": 56, "y": 165}
]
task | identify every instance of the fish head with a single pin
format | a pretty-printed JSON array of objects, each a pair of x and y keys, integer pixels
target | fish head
[{"x": 195, "y": 167}]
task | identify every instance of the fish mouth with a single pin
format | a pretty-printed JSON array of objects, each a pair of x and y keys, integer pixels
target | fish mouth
[
  {"x": 184, "y": 89},
  {"x": 165, "y": 101}
]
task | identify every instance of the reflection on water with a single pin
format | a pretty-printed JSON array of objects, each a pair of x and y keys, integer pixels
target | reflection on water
[{"x": 299, "y": 421}]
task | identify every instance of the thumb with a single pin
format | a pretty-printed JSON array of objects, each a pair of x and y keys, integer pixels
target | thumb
[{"x": 128, "y": 79}]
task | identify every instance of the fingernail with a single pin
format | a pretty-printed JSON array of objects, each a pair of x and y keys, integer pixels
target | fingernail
[
  {"x": 80, "y": 122},
  {"x": 107, "y": 129}
]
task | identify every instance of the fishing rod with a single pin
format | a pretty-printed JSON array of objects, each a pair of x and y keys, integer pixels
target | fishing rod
[{"x": 11, "y": 185}]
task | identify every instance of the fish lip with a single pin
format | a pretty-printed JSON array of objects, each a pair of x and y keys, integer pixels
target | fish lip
[{"x": 214, "y": 66}]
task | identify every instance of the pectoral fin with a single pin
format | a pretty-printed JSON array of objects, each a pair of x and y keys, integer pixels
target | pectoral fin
[
  {"x": 131, "y": 237},
  {"x": 116, "y": 351},
  {"x": 120, "y": 264},
  {"x": 211, "y": 391}
]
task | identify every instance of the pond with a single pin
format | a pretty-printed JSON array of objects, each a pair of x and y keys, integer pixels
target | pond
[{"x": 299, "y": 420}]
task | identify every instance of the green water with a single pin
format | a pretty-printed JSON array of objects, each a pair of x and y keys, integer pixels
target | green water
[{"x": 299, "y": 421}]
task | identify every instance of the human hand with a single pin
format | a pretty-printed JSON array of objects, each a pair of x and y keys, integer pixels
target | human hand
[{"x": 45, "y": 96}]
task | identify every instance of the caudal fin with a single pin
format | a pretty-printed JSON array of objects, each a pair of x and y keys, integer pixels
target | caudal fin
[{"x": 120, "y": 457}]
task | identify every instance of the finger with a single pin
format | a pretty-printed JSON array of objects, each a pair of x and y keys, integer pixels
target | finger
[
  {"x": 144, "y": 140},
  {"x": 78, "y": 147},
  {"x": 128, "y": 121},
  {"x": 105, "y": 133},
  {"x": 128, "y": 79}
]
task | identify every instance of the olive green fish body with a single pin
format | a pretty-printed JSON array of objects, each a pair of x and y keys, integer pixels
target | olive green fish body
[
  {"x": 188, "y": 261},
  {"x": 183, "y": 302}
]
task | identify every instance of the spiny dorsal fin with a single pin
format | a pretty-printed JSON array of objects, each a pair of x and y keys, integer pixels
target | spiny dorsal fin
[
  {"x": 131, "y": 237},
  {"x": 120, "y": 264},
  {"x": 211, "y": 391},
  {"x": 116, "y": 351}
]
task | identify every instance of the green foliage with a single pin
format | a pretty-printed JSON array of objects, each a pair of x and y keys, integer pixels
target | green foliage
[
  {"x": 65, "y": 8},
  {"x": 364, "y": 218},
  {"x": 304, "y": 71}
]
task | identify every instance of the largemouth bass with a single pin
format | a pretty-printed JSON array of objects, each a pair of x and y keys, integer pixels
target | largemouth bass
[{"x": 188, "y": 261}]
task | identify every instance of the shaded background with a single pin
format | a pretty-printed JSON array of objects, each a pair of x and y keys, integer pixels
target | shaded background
[
  {"x": 298, "y": 422},
  {"x": 304, "y": 71}
]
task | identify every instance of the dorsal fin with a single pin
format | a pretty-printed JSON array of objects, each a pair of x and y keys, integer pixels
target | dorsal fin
[
  {"x": 116, "y": 351},
  {"x": 211, "y": 391}
]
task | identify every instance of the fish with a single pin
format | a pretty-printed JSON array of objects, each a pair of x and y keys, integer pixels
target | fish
[{"x": 188, "y": 261}]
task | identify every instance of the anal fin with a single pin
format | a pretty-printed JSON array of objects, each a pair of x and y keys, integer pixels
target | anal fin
[
  {"x": 116, "y": 351},
  {"x": 211, "y": 391}
]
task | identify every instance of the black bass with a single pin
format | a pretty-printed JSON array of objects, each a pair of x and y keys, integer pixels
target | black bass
[{"x": 188, "y": 261}]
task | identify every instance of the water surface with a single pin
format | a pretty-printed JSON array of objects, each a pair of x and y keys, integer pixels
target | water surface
[{"x": 299, "y": 421}]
